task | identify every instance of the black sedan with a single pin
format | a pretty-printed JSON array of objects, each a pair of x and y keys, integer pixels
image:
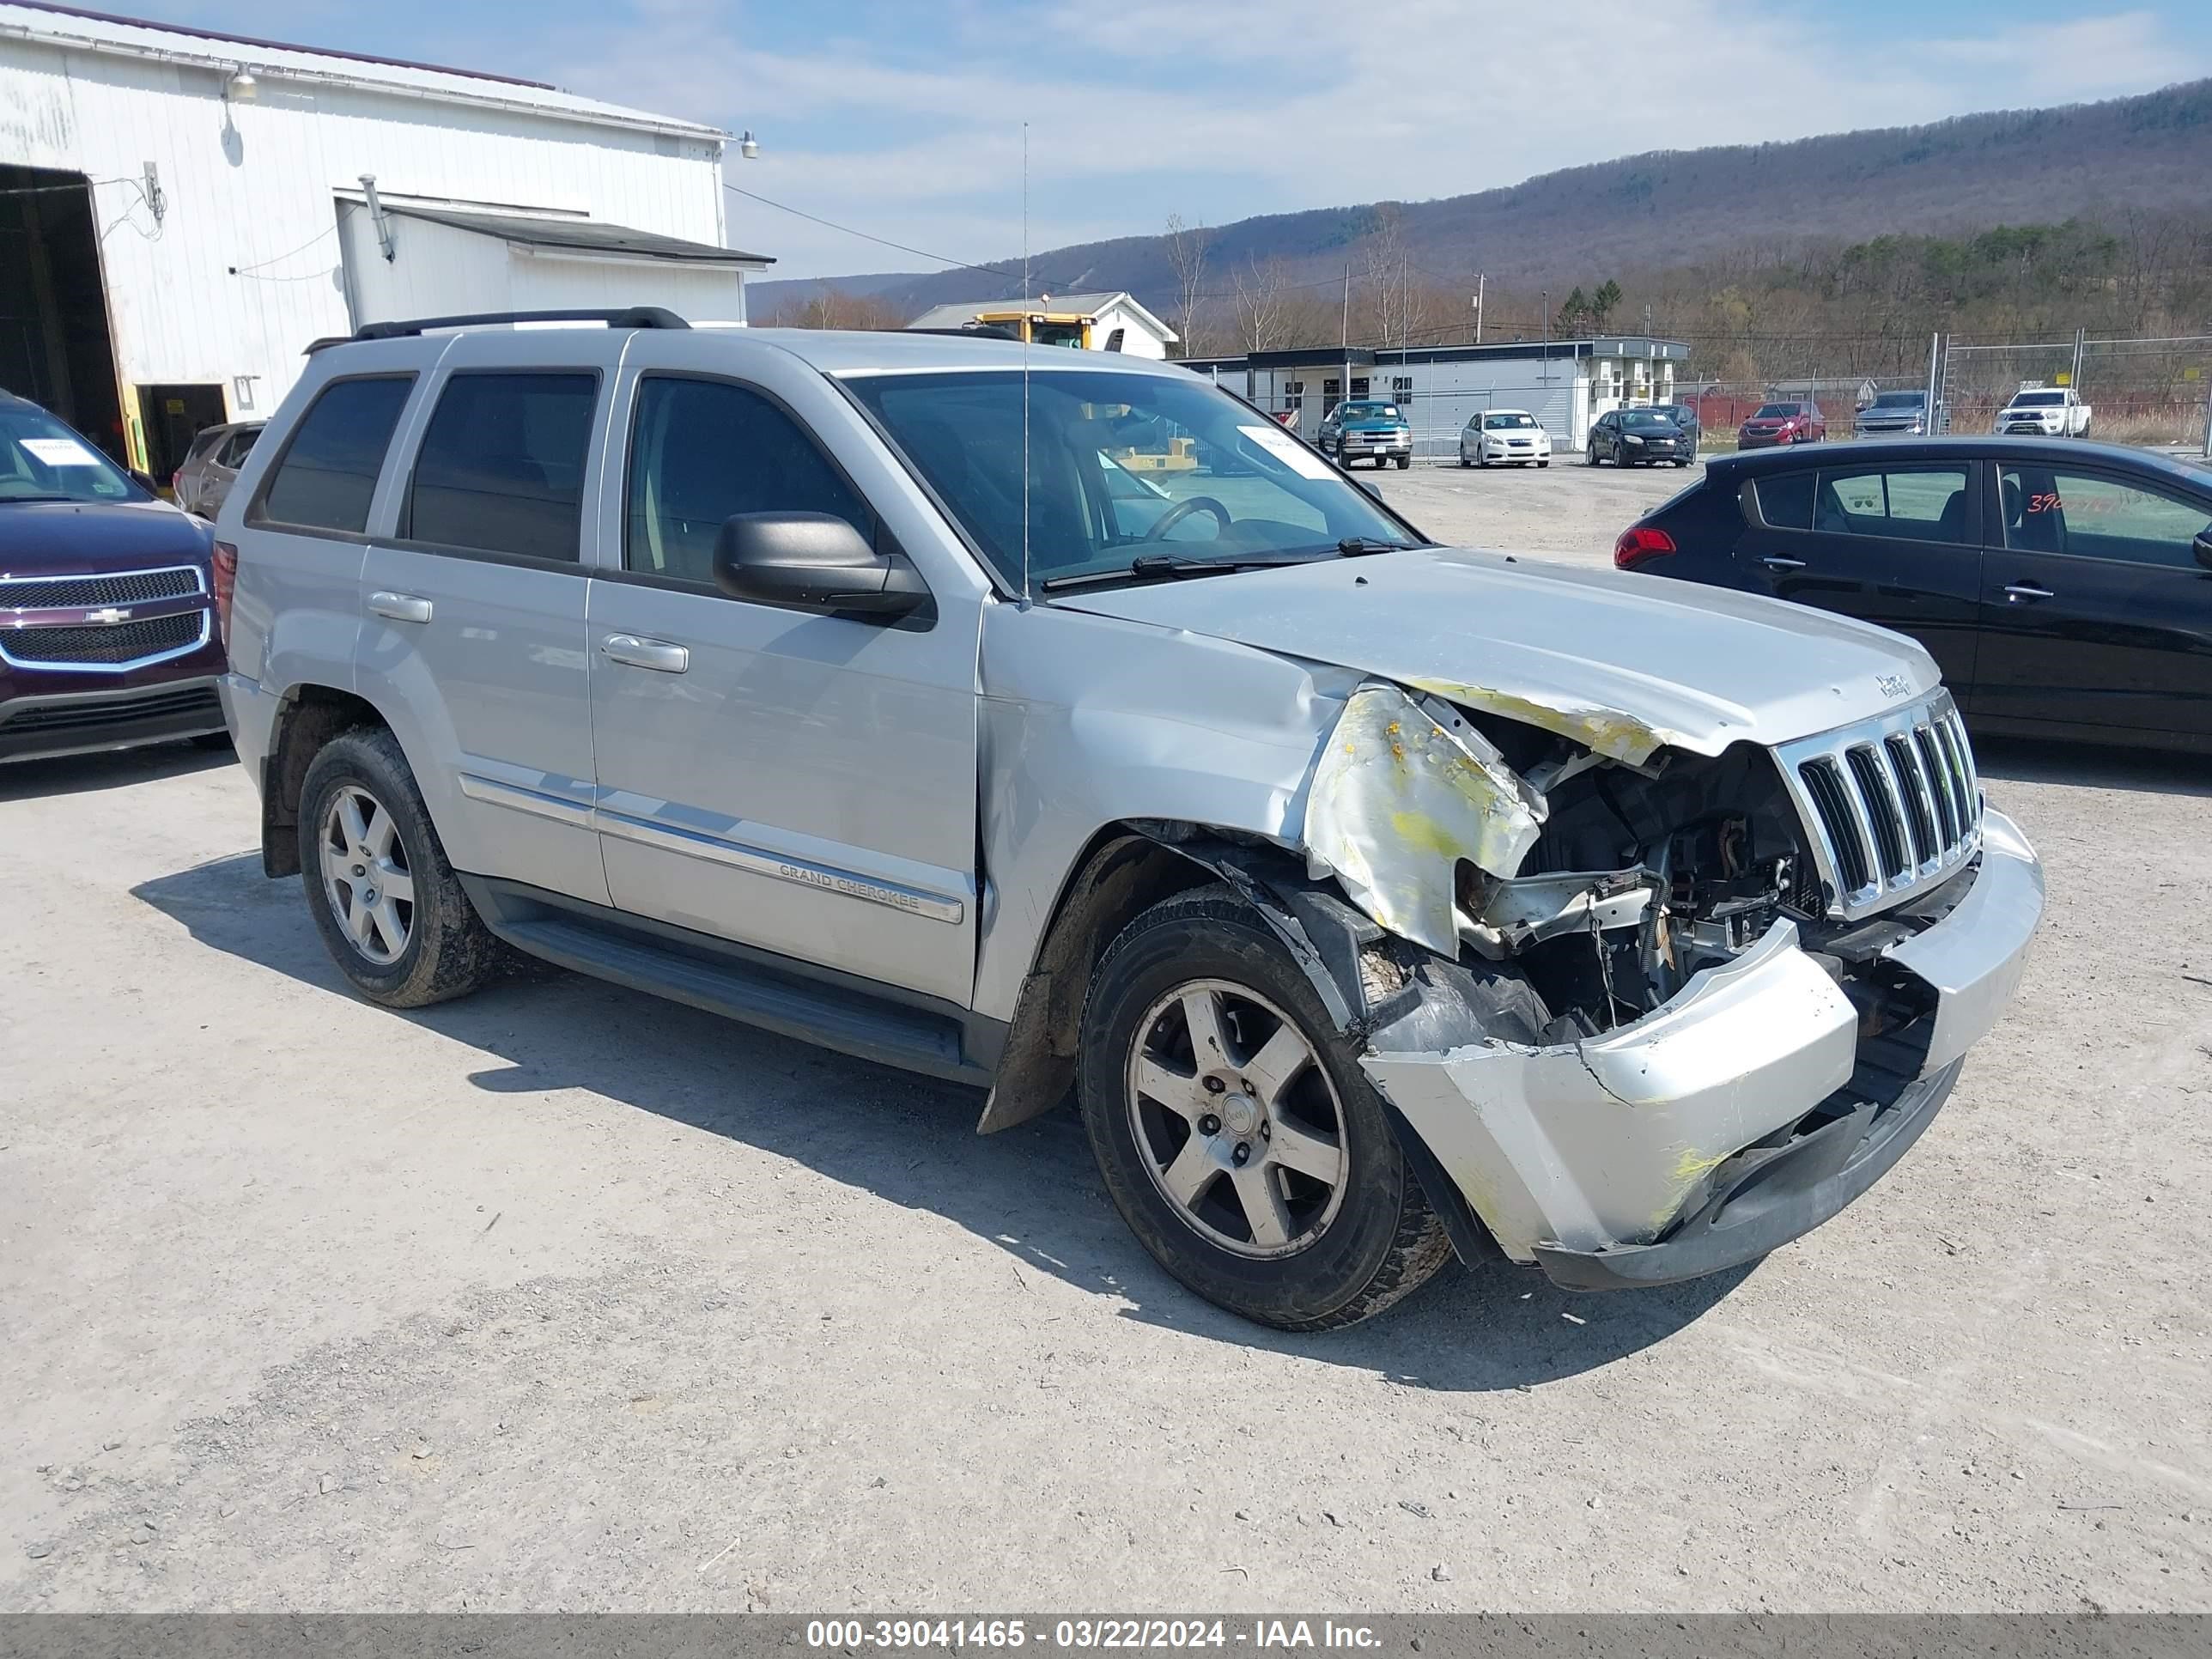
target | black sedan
[
  {"x": 1640, "y": 437},
  {"x": 2064, "y": 588}
]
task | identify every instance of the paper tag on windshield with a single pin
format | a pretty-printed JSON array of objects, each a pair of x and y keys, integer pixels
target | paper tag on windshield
[
  {"x": 1289, "y": 451},
  {"x": 58, "y": 451}
]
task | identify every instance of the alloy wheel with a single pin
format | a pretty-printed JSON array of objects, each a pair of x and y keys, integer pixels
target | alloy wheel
[
  {"x": 1236, "y": 1121},
  {"x": 365, "y": 875}
]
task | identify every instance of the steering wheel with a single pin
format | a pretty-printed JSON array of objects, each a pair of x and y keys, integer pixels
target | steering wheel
[{"x": 1181, "y": 510}]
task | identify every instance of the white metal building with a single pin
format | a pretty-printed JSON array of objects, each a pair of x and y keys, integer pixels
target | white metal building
[
  {"x": 182, "y": 212},
  {"x": 1564, "y": 384},
  {"x": 1117, "y": 322}
]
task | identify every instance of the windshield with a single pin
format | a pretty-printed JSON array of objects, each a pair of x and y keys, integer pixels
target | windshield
[
  {"x": 1901, "y": 400},
  {"x": 1228, "y": 484},
  {"x": 41, "y": 460},
  {"x": 1515, "y": 423},
  {"x": 1371, "y": 412},
  {"x": 1776, "y": 412},
  {"x": 2038, "y": 399},
  {"x": 1644, "y": 418}
]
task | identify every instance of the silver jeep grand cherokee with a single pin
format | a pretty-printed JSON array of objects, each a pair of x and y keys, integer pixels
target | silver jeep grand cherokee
[{"x": 1060, "y": 722}]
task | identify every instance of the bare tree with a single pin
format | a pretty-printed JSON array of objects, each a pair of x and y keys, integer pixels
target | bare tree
[
  {"x": 1187, "y": 246},
  {"x": 1388, "y": 270},
  {"x": 1261, "y": 301}
]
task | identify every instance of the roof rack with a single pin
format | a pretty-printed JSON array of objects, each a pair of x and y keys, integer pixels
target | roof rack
[{"x": 625, "y": 317}]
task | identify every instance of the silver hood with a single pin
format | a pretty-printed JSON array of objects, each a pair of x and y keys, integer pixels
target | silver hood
[{"x": 1623, "y": 663}]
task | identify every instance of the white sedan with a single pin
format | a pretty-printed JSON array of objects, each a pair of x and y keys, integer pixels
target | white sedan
[{"x": 1504, "y": 435}]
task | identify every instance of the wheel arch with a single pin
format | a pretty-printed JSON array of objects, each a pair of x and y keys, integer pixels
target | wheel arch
[
  {"x": 1125, "y": 868},
  {"x": 309, "y": 716}
]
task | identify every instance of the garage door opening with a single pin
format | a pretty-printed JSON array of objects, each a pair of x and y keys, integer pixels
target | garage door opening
[
  {"x": 171, "y": 416},
  {"x": 55, "y": 345}
]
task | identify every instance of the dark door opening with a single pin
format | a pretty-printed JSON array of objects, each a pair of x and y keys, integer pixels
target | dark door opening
[
  {"x": 55, "y": 346},
  {"x": 172, "y": 416}
]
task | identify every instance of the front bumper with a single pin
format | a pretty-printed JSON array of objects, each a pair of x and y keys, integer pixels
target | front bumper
[
  {"x": 156, "y": 710},
  {"x": 1729, "y": 1122}
]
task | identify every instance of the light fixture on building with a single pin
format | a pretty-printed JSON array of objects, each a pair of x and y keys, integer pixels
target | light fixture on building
[
  {"x": 748, "y": 146},
  {"x": 242, "y": 88}
]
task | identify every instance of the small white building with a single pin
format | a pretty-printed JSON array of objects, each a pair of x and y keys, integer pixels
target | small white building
[
  {"x": 182, "y": 212},
  {"x": 1115, "y": 321},
  {"x": 1564, "y": 384}
]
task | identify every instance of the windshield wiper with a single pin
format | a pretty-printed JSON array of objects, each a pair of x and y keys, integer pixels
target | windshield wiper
[
  {"x": 1354, "y": 547},
  {"x": 1168, "y": 566}
]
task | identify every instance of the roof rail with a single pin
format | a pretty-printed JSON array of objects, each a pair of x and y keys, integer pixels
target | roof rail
[
  {"x": 965, "y": 331},
  {"x": 626, "y": 317}
]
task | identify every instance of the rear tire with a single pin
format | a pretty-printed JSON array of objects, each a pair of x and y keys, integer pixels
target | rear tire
[
  {"x": 1322, "y": 1222},
  {"x": 384, "y": 897}
]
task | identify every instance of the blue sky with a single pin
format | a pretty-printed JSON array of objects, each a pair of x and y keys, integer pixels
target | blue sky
[{"x": 905, "y": 119}]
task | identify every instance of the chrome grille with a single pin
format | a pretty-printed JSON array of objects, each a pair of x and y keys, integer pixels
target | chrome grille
[
  {"x": 1890, "y": 804},
  {"x": 84, "y": 592},
  {"x": 109, "y": 645}
]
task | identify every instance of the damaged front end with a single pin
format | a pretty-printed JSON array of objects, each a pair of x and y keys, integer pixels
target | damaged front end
[{"x": 1667, "y": 1009}]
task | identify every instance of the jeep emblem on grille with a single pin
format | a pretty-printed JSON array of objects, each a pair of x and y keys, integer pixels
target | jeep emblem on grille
[
  {"x": 1893, "y": 685},
  {"x": 113, "y": 613}
]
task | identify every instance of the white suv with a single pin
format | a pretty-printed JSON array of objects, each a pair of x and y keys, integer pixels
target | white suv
[{"x": 1376, "y": 900}]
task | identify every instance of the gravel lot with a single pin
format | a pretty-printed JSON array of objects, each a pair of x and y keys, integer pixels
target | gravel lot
[{"x": 565, "y": 1298}]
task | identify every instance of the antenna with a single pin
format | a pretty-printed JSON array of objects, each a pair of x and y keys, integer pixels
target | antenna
[{"x": 1027, "y": 330}]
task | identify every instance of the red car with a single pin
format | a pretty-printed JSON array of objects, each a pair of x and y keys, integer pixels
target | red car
[{"x": 1787, "y": 422}]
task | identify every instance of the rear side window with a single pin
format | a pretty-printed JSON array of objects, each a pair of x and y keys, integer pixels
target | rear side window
[
  {"x": 1785, "y": 500},
  {"x": 705, "y": 451},
  {"x": 240, "y": 447},
  {"x": 1926, "y": 503},
  {"x": 328, "y": 472},
  {"x": 501, "y": 465}
]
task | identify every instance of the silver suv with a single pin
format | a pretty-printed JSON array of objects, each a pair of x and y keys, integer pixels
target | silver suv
[{"x": 1060, "y": 723}]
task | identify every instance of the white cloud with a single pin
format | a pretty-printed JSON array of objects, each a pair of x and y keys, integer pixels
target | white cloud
[{"x": 1234, "y": 107}]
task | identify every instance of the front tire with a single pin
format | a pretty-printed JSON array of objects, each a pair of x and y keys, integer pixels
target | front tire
[
  {"x": 1235, "y": 1129},
  {"x": 1405, "y": 461},
  {"x": 383, "y": 895}
]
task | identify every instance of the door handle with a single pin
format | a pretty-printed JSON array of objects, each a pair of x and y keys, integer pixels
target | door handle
[
  {"x": 400, "y": 607},
  {"x": 1776, "y": 561},
  {"x": 2026, "y": 594},
  {"x": 659, "y": 655}
]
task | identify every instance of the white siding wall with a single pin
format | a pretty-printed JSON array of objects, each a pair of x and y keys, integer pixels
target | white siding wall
[
  {"x": 1447, "y": 395},
  {"x": 1138, "y": 341},
  {"x": 244, "y": 267}
]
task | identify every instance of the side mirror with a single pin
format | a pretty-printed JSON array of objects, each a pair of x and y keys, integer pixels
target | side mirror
[
  {"x": 812, "y": 562},
  {"x": 2203, "y": 547},
  {"x": 145, "y": 482},
  {"x": 1370, "y": 486}
]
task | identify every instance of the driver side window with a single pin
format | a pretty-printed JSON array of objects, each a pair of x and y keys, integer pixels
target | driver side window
[{"x": 704, "y": 451}]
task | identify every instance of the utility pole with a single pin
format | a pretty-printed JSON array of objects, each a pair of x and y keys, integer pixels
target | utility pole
[
  {"x": 1480, "y": 280},
  {"x": 1344, "y": 386}
]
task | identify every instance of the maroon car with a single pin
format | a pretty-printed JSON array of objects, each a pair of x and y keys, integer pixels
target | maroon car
[
  {"x": 109, "y": 597},
  {"x": 1787, "y": 422}
]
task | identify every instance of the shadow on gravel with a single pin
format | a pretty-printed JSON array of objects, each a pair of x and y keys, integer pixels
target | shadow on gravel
[
  {"x": 1033, "y": 1191},
  {"x": 2023, "y": 760},
  {"x": 80, "y": 774}
]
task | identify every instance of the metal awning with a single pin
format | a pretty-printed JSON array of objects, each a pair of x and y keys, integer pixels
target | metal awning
[{"x": 585, "y": 236}]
